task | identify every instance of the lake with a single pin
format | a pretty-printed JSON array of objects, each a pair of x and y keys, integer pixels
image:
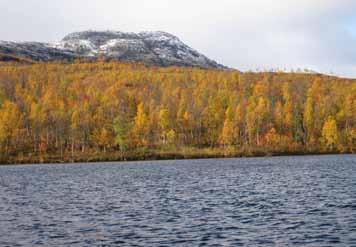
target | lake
[{"x": 277, "y": 201}]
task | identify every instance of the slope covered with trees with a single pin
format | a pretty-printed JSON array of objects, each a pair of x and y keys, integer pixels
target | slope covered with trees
[{"x": 116, "y": 111}]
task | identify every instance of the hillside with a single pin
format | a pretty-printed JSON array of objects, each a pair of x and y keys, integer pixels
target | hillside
[
  {"x": 153, "y": 48},
  {"x": 115, "y": 111}
]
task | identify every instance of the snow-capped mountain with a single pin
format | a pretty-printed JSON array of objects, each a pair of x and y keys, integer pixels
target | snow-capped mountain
[
  {"x": 156, "y": 48},
  {"x": 35, "y": 51}
]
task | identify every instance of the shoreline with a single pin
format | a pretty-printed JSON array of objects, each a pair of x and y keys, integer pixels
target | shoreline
[{"x": 155, "y": 156}]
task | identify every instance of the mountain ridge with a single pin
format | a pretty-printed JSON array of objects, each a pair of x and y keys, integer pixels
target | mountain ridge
[{"x": 151, "y": 47}]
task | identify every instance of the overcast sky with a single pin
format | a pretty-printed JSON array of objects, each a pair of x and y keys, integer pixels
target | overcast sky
[{"x": 244, "y": 34}]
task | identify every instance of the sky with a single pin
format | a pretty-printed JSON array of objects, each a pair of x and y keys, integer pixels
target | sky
[{"x": 243, "y": 34}]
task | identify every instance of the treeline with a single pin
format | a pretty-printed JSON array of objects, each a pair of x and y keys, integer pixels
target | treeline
[{"x": 118, "y": 110}]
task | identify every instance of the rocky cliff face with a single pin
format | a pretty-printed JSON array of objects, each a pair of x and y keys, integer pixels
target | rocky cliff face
[{"x": 155, "y": 48}]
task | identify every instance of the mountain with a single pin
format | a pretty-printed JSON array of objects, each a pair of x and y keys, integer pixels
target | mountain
[
  {"x": 35, "y": 51},
  {"x": 154, "y": 48}
]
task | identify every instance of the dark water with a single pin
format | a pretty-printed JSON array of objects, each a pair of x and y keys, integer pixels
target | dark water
[{"x": 287, "y": 201}]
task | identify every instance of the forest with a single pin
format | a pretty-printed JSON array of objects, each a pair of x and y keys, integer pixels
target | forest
[{"x": 106, "y": 110}]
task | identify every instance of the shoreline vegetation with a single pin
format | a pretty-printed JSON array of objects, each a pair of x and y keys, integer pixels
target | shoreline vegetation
[
  {"x": 156, "y": 155},
  {"x": 152, "y": 156},
  {"x": 113, "y": 111}
]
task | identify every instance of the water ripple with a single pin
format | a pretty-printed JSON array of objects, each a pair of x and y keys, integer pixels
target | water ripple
[{"x": 285, "y": 201}]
